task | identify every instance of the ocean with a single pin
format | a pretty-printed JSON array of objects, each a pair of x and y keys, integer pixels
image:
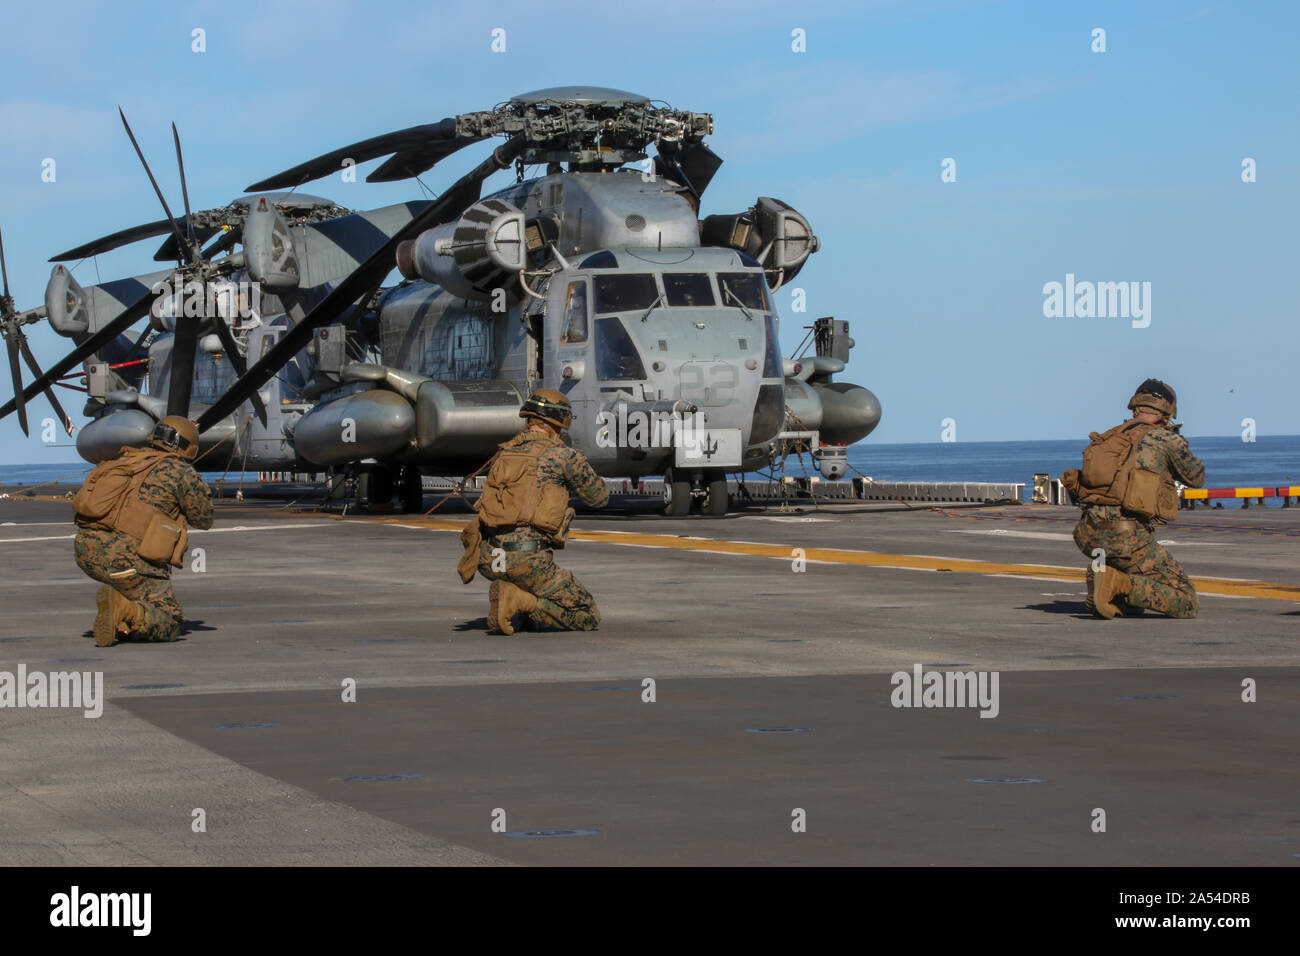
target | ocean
[{"x": 1229, "y": 462}]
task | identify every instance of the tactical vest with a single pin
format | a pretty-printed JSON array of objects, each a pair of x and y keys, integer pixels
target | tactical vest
[
  {"x": 512, "y": 496},
  {"x": 1110, "y": 475},
  {"x": 109, "y": 500}
]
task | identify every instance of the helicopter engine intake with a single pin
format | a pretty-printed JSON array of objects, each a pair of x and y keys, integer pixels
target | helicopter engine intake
[
  {"x": 481, "y": 252},
  {"x": 771, "y": 232},
  {"x": 65, "y": 303},
  {"x": 269, "y": 251}
]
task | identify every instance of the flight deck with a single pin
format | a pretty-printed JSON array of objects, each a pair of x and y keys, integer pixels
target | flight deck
[{"x": 741, "y": 682}]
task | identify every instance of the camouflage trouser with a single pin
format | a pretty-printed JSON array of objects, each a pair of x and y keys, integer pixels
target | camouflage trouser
[
  {"x": 561, "y": 601},
  {"x": 111, "y": 559},
  {"x": 1159, "y": 583}
]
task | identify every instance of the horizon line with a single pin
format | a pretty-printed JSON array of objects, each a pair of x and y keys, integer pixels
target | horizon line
[{"x": 859, "y": 444}]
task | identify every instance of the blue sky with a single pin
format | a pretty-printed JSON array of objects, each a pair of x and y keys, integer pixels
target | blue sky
[{"x": 1115, "y": 166}]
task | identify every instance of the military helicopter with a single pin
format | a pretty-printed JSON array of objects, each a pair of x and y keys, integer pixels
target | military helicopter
[
  {"x": 205, "y": 317},
  {"x": 592, "y": 278}
]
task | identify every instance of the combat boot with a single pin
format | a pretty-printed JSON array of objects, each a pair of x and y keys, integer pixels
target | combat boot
[
  {"x": 128, "y": 615},
  {"x": 116, "y": 614},
  {"x": 494, "y": 603},
  {"x": 1129, "y": 610},
  {"x": 104, "y": 628},
  {"x": 1109, "y": 585},
  {"x": 1091, "y": 600},
  {"x": 511, "y": 601}
]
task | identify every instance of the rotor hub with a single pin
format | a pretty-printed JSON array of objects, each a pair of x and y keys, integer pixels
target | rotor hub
[{"x": 591, "y": 127}]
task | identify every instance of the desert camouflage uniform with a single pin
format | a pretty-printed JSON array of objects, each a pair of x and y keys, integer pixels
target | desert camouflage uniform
[
  {"x": 562, "y": 602},
  {"x": 110, "y": 557},
  {"x": 1159, "y": 583}
]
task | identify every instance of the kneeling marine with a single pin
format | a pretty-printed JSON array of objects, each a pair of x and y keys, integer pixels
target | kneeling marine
[{"x": 131, "y": 514}]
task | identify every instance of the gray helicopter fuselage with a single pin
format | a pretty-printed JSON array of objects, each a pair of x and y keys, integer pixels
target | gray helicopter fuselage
[
  {"x": 641, "y": 319},
  {"x": 126, "y": 407}
]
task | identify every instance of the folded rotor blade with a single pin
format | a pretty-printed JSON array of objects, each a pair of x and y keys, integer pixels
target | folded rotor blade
[
  {"x": 185, "y": 343},
  {"x": 139, "y": 344},
  {"x": 224, "y": 243},
  {"x": 185, "y": 193},
  {"x": 35, "y": 367},
  {"x": 169, "y": 251},
  {"x": 4, "y": 270},
  {"x": 124, "y": 321},
  {"x": 360, "y": 282},
  {"x": 433, "y": 136},
  {"x": 115, "y": 240},
  {"x": 11, "y": 343},
  {"x": 408, "y": 163},
  {"x": 171, "y": 220}
]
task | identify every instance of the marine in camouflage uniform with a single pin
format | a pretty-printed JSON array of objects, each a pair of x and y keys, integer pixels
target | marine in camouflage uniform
[
  {"x": 524, "y": 555},
  {"x": 1128, "y": 541},
  {"x": 111, "y": 557}
]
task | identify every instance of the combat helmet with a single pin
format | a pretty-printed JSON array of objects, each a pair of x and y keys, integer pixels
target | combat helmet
[
  {"x": 176, "y": 434},
  {"x": 548, "y": 405},
  {"x": 1154, "y": 393}
]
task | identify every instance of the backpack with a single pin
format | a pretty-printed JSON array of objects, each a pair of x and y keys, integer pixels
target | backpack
[
  {"x": 512, "y": 496},
  {"x": 109, "y": 485},
  {"x": 1110, "y": 475},
  {"x": 109, "y": 501}
]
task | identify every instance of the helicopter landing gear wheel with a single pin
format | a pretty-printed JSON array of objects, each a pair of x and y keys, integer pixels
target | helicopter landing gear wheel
[
  {"x": 716, "y": 498},
  {"x": 375, "y": 487},
  {"x": 677, "y": 496},
  {"x": 412, "y": 489}
]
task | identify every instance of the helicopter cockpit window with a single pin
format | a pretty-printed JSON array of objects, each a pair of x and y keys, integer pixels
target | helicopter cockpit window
[
  {"x": 625, "y": 293},
  {"x": 688, "y": 289},
  {"x": 748, "y": 287},
  {"x": 292, "y": 383},
  {"x": 575, "y": 313},
  {"x": 771, "y": 350},
  {"x": 616, "y": 356},
  {"x": 211, "y": 378}
]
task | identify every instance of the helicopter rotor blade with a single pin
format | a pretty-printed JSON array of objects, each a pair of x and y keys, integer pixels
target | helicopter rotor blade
[
  {"x": 224, "y": 243},
  {"x": 35, "y": 367},
  {"x": 360, "y": 282},
  {"x": 115, "y": 240},
  {"x": 168, "y": 251},
  {"x": 240, "y": 364},
  {"x": 125, "y": 319},
  {"x": 139, "y": 343},
  {"x": 185, "y": 193},
  {"x": 434, "y": 142},
  {"x": 171, "y": 220},
  {"x": 409, "y": 163},
  {"x": 11, "y": 343},
  {"x": 185, "y": 343},
  {"x": 4, "y": 271}
]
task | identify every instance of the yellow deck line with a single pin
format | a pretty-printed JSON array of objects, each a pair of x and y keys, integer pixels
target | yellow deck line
[{"x": 875, "y": 559}]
